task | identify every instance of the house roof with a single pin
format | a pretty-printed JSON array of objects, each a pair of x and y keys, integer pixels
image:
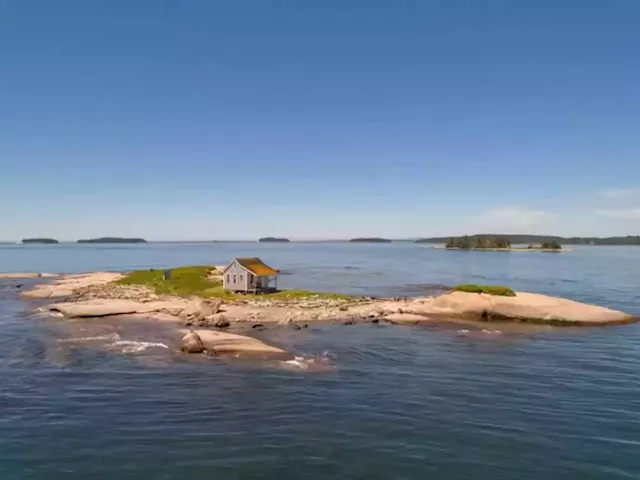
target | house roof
[{"x": 256, "y": 266}]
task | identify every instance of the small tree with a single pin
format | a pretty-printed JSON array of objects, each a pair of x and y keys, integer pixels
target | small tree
[{"x": 552, "y": 245}]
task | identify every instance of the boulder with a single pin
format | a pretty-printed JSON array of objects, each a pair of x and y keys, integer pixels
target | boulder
[
  {"x": 218, "y": 342},
  {"x": 191, "y": 343},
  {"x": 192, "y": 309},
  {"x": 220, "y": 321},
  {"x": 209, "y": 307}
]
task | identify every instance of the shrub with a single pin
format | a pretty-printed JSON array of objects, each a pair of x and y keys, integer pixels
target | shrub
[{"x": 488, "y": 289}]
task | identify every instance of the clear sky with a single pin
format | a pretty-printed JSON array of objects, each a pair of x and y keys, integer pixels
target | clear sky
[{"x": 318, "y": 119}]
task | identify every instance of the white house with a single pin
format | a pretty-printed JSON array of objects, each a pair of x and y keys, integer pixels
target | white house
[{"x": 249, "y": 275}]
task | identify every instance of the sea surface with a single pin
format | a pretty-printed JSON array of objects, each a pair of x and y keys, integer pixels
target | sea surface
[{"x": 106, "y": 400}]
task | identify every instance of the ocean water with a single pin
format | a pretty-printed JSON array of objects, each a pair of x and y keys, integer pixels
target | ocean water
[{"x": 106, "y": 399}]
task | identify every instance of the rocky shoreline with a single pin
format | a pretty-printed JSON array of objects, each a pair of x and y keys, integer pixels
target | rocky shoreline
[{"x": 97, "y": 295}]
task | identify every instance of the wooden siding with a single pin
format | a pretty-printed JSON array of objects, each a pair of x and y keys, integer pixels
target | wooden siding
[{"x": 235, "y": 278}]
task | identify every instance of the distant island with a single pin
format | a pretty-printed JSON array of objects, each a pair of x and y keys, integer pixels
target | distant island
[
  {"x": 494, "y": 242},
  {"x": 113, "y": 240},
  {"x": 39, "y": 240},
  {"x": 541, "y": 239},
  {"x": 370, "y": 240},
  {"x": 273, "y": 240},
  {"x": 478, "y": 242}
]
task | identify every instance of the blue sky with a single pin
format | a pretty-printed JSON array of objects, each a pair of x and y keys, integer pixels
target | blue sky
[{"x": 318, "y": 119}]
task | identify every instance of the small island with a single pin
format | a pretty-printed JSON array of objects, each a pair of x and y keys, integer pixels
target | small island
[
  {"x": 113, "y": 240},
  {"x": 39, "y": 240},
  {"x": 496, "y": 243},
  {"x": 197, "y": 297},
  {"x": 478, "y": 243},
  {"x": 370, "y": 240},
  {"x": 273, "y": 240}
]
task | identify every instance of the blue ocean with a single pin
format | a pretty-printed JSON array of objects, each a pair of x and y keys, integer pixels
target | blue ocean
[{"x": 440, "y": 401}]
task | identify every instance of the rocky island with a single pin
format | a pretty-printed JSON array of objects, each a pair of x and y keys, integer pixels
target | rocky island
[
  {"x": 113, "y": 240},
  {"x": 49, "y": 241},
  {"x": 495, "y": 243},
  {"x": 212, "y": 319}
]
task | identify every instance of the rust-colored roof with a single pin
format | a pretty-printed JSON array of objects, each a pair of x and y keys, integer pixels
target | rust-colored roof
[{"x": 257, "y": 266}]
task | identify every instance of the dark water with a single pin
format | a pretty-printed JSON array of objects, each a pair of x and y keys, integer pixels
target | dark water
[{"x": 441, "y": 402}]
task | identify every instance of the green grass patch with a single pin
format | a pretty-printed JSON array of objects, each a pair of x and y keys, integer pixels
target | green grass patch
[
  {"x": 488, "y": 289},
  {"x": 301, "y": 294},
  {"x": 195, "y": 281},
  {"x": 184, "y": 282}
]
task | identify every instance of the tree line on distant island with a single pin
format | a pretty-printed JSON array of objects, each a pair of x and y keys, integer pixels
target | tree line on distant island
[
  {"x": 370, "y": 240},
  {"x": 476, "y": 242},
  {"x": 546, "y": 239},
  {"x": 90, "y": 240},
  {"x": 480, "y": 242},
  {"x": 467, "y": 241},
  {"x": 273, "y": 240}
]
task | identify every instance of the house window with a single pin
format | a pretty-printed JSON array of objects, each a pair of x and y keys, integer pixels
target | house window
[
  {"x": 228, "y": 277},
  {"x": 241, "y": 277},
  {"x": 234, "y": 279}
]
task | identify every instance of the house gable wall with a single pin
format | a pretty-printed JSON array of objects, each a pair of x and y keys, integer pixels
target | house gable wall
[{"x": 235, "y": 278}]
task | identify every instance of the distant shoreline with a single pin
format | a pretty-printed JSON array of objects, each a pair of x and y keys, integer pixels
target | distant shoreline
[
  {"x": 511, "y": 249},
  {"x": 525, "y": 239},
  {"x": 411, "y": 241}
]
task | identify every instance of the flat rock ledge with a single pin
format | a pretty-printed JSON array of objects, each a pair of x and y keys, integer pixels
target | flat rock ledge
[
  {"x": 66, "y": 285},
  {"x": 108, "y": 307},
  {"x": 96, "y": 295},
  {"x": 27, "y": 275},
  {"x": 524, "y": 307}
]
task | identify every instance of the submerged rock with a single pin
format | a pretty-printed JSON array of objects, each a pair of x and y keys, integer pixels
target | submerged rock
[
  {"x": 289, "y": 322},
  {"x": 191, "y": 343}
]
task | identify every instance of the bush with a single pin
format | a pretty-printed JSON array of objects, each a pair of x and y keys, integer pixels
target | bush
[
  {"x": 553, "y": 245},
  {"x": 488, "y": 289}
]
